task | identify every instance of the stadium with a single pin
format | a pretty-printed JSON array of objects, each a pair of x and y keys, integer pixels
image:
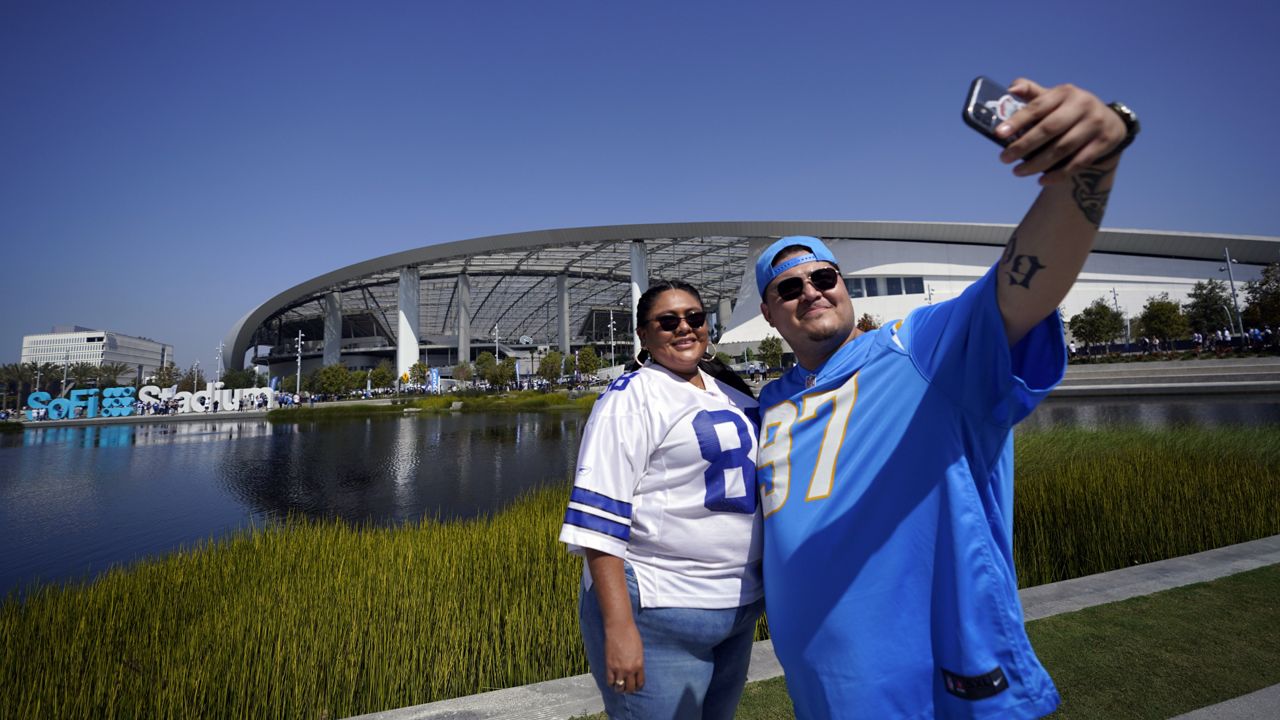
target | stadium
[{"x": 524, "y": 294}]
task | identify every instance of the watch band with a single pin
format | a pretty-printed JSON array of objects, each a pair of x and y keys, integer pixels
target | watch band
[{"x": 1131, "y": 126}]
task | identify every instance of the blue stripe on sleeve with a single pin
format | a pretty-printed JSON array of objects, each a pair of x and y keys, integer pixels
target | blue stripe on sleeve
[
  {"x": 601, "y": 502},
  {"x": 597, "y": 523}
]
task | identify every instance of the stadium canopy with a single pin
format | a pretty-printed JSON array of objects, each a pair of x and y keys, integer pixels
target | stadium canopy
[{"x": 561, "y": 289}]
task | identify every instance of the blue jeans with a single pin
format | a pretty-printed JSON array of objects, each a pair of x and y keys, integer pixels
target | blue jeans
[{"x": 695, "y": 660}]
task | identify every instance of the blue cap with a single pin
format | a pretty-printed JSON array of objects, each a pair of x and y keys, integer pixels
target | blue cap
[{"x": 765, "y": 270}]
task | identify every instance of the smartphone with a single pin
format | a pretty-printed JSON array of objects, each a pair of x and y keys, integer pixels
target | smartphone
[{"x": 989, "y": 104}]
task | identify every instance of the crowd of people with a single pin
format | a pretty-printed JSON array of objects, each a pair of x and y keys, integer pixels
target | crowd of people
[{"x": 1219, "y": 342}]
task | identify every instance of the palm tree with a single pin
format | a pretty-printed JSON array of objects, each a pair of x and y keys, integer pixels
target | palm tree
[
  {"x": 25, "y": 378},
  {"x": 40, "y": 375},
  {"x": 109, "y": 373},
  {"x": 10, "y": 385},
  {"x": 81, "y": 373}
]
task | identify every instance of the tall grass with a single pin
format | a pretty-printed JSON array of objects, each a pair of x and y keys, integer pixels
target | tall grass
[
  {"x": 522, "y": 401},
  {"x": 1089, "y": 501},
  {"x": 343, "y": 411},
  {"x": 304, "y": 619},
  {"x": 316, "y": 619}
]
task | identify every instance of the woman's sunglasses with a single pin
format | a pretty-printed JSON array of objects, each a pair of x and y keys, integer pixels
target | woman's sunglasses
[
  {"x": 696, "y": 319},
  {"x": 822, "y": 279}
]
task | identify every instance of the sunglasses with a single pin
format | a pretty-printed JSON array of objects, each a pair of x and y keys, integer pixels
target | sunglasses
[
  {"x": 822, "y": 279},
  {"x": 696, "y": 319}
]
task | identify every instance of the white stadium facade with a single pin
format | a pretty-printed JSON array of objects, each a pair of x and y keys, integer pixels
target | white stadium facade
[{"x": 527, "y": 293}]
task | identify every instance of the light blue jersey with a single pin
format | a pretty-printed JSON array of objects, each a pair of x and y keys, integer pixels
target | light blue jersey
[{"x": 887, "y": 486}]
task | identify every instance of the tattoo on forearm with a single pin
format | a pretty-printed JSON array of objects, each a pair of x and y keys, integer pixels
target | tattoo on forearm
[
  {"x": 1091, "y": 201},
  {"x": 1019, "y": 268},
  {"x": 1022, "y": 269}
]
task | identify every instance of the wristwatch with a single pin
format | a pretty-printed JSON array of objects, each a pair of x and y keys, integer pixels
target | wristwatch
[{"x": 1131, "y": 129}]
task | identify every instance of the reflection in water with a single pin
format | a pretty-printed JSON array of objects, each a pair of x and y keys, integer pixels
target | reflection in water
[
  {"x": 387, "y": 471},
  {"x": 1089, "y": 413},
  {"x": 125, "y": 435},
  {"x": 77, "y": 500}
]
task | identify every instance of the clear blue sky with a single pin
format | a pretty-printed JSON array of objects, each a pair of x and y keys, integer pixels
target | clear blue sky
[{"x": 166, "y": 167}]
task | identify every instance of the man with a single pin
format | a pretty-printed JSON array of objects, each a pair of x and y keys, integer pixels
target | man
[{"x": 886, "y": 458}]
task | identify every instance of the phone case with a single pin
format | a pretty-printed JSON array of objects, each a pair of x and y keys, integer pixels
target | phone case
[{"x": 989, "y": 104}]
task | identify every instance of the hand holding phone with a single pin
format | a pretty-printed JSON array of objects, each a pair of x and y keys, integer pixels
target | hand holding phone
[{"x": 988, "y": 105}]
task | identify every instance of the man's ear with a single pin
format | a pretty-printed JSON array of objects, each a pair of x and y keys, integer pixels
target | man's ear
[{"x": 764, "y": 310}]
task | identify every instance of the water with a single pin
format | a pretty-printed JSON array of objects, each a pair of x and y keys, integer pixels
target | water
[
  {"x": 74, "y": 501},
  {"x": 1202, "y": 411}
]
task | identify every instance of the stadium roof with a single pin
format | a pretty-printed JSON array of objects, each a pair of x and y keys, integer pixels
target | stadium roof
[{"x": 513, "y": 276}]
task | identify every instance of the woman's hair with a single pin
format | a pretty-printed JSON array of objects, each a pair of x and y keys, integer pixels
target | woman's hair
[{"x": 709, "y": 364}]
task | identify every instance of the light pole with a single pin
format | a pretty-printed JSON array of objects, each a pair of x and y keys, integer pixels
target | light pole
[
  {"x": 613, "y": 360},
  {"x": 1226, "y": 252},
  {"x": 297, "y": 387},
  {"x": 195, "y": 375},
  {"x": 66, "y": 360},
  {"x": 496, "y": 354},
  {"x": 1115, "y": 302},
  {"x": 219, "y": 377}
]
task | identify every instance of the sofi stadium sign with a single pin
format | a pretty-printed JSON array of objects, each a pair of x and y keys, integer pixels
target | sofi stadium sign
[{"x": 122, "y": 401}]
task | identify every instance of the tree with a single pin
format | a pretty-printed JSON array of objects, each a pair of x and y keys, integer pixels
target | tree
[
  {"x": 384, "y": 376},
  {"x": 588, "y": 360},
  {"x": 725, "y": 358},
  {"x": 505, "y": 373},
  {"x": 1162, "y": 318},
  {"x": 1098, "y": 323},
  {"x": 48, "y": 374},
  {"x": 333, "y": 380},
  {"x": 867, "y": 323},
  {"x": 462, "y": 372},
  {"x": 486, "y": 366},
  {"x": 570, "y": 364},
  {"x": 11, "y": 385},
  {"x": 233, "y": 379},
  {"x": 770, "y": 350},
  {"x": 193, "y": 379},
  {"x": 82, "y": 373},
  {"x": 109, "y": 374},
  {"x": 167, "y": 375},
  {"x": 1263, "y": 297},
  {"x": 1206, "y": 308},
  {"x": 418, "y": 373},
  {"x": 551, "y": 366}
]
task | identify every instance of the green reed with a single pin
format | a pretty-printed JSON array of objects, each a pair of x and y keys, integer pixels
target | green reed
[
  {"x": 303, "y": 619},
  {"x": 320, "y": 619},
  {"x": 340, "y": 411},
  {"x": 520, "y": 401},
  {"x": 1090, "y": 501}
]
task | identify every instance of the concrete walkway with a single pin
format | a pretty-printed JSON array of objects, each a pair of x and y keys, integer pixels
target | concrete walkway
[{"x": 568, "y": 697}]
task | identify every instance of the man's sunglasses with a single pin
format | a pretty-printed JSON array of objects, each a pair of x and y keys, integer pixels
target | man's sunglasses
[
  {"x": 696, "y": 319},
  {"x": 822, "y": 279}
]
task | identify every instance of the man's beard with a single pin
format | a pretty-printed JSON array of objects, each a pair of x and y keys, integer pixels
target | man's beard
[{"x": 822, "y": 334}]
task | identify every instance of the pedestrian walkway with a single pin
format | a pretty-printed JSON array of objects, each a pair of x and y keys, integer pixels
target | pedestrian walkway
[{"x": 569, "y": 697}]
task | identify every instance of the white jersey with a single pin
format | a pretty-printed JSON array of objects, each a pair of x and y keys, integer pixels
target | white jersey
[{"x": 666, "y": 480}]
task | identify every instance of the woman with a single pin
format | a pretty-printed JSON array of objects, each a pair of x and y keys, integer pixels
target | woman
[{"x": 664, "y": 510}]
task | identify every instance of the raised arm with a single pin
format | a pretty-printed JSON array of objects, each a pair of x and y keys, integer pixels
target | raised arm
[{"x": 1069, "y": 137}]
